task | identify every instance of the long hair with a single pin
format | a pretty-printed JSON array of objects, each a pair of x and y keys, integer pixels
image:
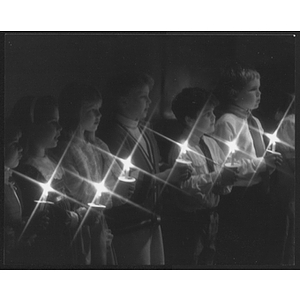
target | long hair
[
  {"x": 71, "y": 100},
  {"x": 28, "y": 113}
]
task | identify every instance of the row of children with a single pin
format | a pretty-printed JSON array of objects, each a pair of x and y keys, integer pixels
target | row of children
[{"x": 73, "y": 156}]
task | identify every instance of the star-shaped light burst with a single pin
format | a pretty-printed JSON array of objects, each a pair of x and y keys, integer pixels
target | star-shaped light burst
[
  {"x": 232, "y": 149},
  {"x": 183, "y": 148},
  {"x": 127, "y": 165},
  {"x": 100, "y": 188},
  {"x": 46, "y": 189},
  {"x": 273, "y": 139}
]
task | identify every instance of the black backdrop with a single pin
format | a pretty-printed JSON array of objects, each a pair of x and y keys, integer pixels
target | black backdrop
[{"x": 42, "y": 63}]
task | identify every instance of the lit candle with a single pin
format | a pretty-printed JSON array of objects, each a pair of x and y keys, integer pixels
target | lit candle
[
  {"x": 100, "y": 188},
  {"x": 273, "y": 139},
  {"x": 181, "y": 158},
  {"x": 43, "y": 200},
  {"x": 125, "y": 176},
  {"x": 127, "y": 165},
  {"x": 232, "y": 148}
]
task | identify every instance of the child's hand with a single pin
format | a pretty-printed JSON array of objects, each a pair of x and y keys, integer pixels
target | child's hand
[
  {"x": 91, "y": 218},
  {"x": 228, "y": 177},
  {"x": 179, "y": 173},
  {"x": 273, "y": 160},
  {"x": 125, "y": 189}
]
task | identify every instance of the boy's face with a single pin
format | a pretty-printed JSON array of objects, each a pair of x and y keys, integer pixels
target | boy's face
[
  {"x": 205, "y": 122},
  {"x": 136, "y": 104},
  {"x": 249, "y": 97},
  {"x": 13, "y": 152}
]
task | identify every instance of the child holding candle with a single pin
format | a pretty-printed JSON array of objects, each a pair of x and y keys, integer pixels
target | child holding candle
[
  {"x": 193, "y": 224},
  {"x": 38, "y": 118},
  {"x": 246, "y": 207},
  {"x": 138, "y": 238},
  {"x": 87, "y": 161},
  {"x": 14, "y": 220}
]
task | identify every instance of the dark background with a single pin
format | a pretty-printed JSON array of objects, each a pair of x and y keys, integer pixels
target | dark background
[{"x": 42, "y": 63}]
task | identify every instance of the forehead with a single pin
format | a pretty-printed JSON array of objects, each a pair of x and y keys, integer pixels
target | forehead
[
  {"x": 205, "y": 109},
  {"x": 253, "y": 82}
]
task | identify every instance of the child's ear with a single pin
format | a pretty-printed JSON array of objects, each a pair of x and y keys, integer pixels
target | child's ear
[{"x": 189, "y": 121}]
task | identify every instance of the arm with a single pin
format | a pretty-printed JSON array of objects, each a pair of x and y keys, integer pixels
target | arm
[{"x": 227, "y": 131}]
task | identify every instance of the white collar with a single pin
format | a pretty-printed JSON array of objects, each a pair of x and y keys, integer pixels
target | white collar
[{"x": 127, "y": 122}]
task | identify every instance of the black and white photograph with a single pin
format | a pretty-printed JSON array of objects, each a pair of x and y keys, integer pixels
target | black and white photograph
[{"x": 164, "y": 150}]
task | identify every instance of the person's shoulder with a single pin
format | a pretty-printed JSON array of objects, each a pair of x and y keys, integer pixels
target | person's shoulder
[
  {"x": 209, "y": 140},
  {"x": 27, "y": 169},
  {"x": 227, "y": 117}
]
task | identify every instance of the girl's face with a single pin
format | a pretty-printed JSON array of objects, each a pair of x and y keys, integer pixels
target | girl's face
[
  {"x": 13, "y": 152},
  {"x": 137, "y": 103},
  {"x": 249, "y": 97},
  {"x": 46, "y": 134},
  {"x": 205, "y": 122},
  {"x": 90, "y": 115}
]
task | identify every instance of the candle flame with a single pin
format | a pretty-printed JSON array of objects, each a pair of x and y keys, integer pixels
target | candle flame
[
  {"x": 100, "y": 187},
  {"x": 232, "y": 146},
  {"x": 183, "y": 148},
  {"x": 127, "y": 164},
  {"x": 273, "y": 137},
  {"x": 46, "y": 189}
]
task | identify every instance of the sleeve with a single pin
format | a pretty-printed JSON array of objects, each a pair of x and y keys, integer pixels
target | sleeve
[
  {"x": 200, "y": 183},
  {"x": 76, "y": 182},
  {"x": 286, "y": 133},
  {"x": 226, "y": 131},
  {"x": 30, "y": 190}
]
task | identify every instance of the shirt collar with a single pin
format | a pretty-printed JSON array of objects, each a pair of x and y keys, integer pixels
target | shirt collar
[
  {"x": 238, "y": 111},
  {"x": 127, "y": 122}
]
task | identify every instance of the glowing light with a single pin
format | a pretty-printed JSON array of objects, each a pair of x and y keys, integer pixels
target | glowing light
[
  {"x": 127, "y": 165},
  {"x": 232, "y": 149},
  {"x": 100, "y": 189},
  {"x": 273, "y": 139},
  {"x": 183, "y": 148}
]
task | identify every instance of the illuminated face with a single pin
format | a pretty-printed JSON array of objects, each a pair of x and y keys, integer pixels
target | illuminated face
[
  {"x": 13, "y": 152},
  {"x": 90, "y": 115},
  {"x": 205, "y": 122},
  {"x": 136, "y": 104},
  {"x": 249, "y": 97},
  {"x": 46, "y": 133}
]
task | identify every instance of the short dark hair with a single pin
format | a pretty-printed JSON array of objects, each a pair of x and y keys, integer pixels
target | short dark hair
[
  {"x": 122, "y": 84},
  {"x": 190, "y": 101},
  {"x": 233, "y": 79}
]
